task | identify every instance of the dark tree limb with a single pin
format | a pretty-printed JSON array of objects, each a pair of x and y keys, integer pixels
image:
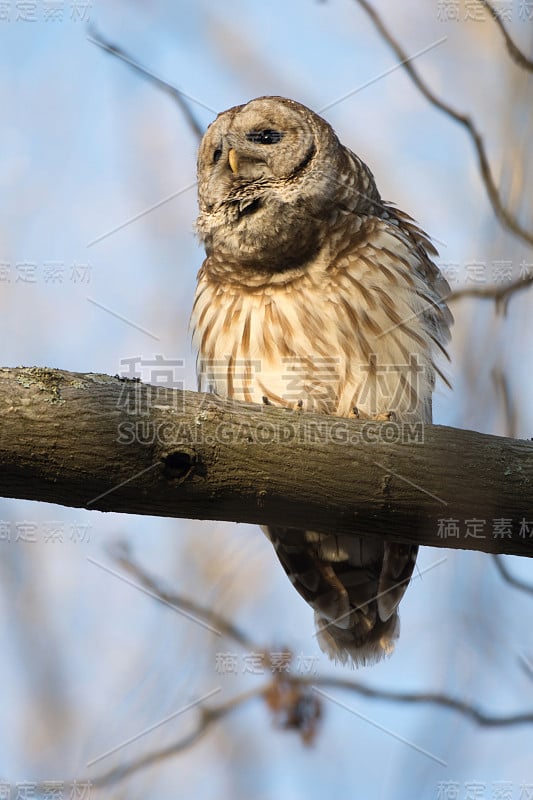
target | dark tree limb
[{"x": 109, "y": 444}]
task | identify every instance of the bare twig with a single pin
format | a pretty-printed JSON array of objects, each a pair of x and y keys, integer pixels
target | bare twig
[
  {"x": 223, "y": 625},
  {"x": 501, "y": 294},
  {"x": 289, "y": 697},
  {"x": 509, "y": 409},
  {"x": 285, "y": 697},
  {"x": 207, "y": 717},
  {"x": 506, "y": 217},
  {"x": 516, "y": 54},
  {"x": 435, "y": 698},
  {"x": 526, "y": 664},
  {"x": 432, "y": 698},
  {"x": 95, "y": 37},
  {"x": 510, "y": 579}
]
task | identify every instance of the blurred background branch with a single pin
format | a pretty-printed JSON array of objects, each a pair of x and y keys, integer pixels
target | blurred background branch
[
  {"x": 290, "y": 697},
  {"x": 501, "y": 293},
  {"x": 516, "y": 54},
  {"x": 183, "y": 100},
  {"x": 503, "y": 213},
  {"x": 524, "y": 586}
]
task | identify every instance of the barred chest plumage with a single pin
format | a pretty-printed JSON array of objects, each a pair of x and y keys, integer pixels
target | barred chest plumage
[{"x": 315, "y": 338}]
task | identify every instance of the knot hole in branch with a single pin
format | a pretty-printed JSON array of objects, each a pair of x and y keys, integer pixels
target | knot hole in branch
[{"x": 180, "y": 464}]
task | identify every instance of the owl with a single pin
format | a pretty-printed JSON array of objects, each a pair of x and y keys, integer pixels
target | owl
[{"x": 317, "y": 295}]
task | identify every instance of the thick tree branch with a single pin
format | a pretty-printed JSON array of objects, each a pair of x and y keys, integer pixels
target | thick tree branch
[{"x": 103, "y": 443}]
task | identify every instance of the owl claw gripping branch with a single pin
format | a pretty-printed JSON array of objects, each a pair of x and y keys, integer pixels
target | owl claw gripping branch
[{"x": 316, "y": 294}]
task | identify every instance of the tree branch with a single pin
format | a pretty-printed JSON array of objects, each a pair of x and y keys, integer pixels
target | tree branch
[
  {"x": 478, "y": 716},
  {"x": 523, "y": 586},
  {"x": 207, "y": 717},
  {"x": 501, "y": 294},
  {"x": 228, "y": 628},
  {"x": 294, "y": 700},
  {"x": 287, "y": 697},
  {"x": 221, "y": 624},
  {"x": 516, "y": 54},
  {"x": 506, "y": 217},
  {"x": 178, "y": 96},
  {"x": 109, "y": 444}
]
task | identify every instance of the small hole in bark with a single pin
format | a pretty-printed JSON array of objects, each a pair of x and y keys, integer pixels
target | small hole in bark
[{"x": 179, "y": 464}]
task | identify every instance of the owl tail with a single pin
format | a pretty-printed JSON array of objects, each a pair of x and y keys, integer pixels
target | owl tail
[
  {"x": 353, "y": 583},
  {"x": 346, "y": 645}
]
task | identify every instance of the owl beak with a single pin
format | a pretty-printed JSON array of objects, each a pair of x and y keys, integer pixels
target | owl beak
[{"x": 233, "y": 160}]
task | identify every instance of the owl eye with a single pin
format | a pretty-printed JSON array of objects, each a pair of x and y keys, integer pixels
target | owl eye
[
  {"x": 267, "y": 136},
  {"x": 216, "y": 155}
]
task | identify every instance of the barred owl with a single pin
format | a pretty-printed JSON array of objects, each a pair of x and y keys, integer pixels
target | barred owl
[{"x": 315, "y": 294}]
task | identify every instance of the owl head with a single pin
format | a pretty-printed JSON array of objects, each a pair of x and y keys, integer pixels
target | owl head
[{"x": 271, "y": 174}]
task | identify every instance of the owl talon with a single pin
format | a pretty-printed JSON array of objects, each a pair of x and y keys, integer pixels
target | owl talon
[
  {"x": 297, "y": 406},
  {"x": 387, "y": 416},
  {"x": 266, "y": 401},
  {"x": 356, "y": 413}
]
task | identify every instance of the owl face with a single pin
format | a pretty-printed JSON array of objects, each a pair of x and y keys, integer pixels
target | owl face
[
  {"x": 266, "y": 183},
  {"x": 263, "y": 142}
]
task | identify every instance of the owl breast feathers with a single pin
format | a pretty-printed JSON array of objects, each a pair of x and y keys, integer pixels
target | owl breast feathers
[{"x": 315, "y": 294}]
